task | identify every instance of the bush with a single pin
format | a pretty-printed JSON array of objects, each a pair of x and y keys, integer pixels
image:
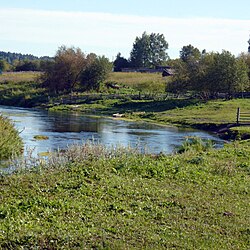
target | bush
[{"x": 196, "y": 144}]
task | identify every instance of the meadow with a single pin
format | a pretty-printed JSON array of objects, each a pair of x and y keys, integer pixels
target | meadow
[{"x": 92, "y": 197}]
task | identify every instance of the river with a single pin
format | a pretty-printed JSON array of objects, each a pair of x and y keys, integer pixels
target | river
[{"x": 64, "y": 129}]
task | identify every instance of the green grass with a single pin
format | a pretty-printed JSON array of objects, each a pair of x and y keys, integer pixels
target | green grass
[
  {"x": 144, "y": 82},
  {"x": 10, "y": 142},
  {"x": 19, "y": 76},
  {"x": 219, "y": 111},
  {"x": 94, "y": 198},
  {"x": 22, "y": 93}
]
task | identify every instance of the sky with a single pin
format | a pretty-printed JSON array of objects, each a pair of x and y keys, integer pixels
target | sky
[{"x": 106, "y": 27}]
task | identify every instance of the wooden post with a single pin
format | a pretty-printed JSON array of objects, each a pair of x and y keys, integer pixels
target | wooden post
[{"x": 238, "y": 116}]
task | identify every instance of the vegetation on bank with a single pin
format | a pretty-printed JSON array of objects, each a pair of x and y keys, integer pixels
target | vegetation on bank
[
  {"x": 98, "y": 198},
  {"x": 10, "y": 143},
  {"x": 139, "y": 96}
]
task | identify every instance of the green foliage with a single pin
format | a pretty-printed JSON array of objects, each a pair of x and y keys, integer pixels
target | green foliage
[
  {"x": 64, "y": 72},
  {"x": 19, "y": 89},
  {"x": 1, "y": 65},
  {"x": 28, "y": 65},
  {"x": 209, "y": 74},
  {"x": 12, "y": 57},
  {"x": 196, "y": 144},
  {"x": 10, "y": 143},
  {"x": 189, "y": 53},
  {"x": 95, "y": 73},
  {"x": 120, "y": 62},
  {"x": 246, "y": 58},
  {"x": 149, "y": 50},
  {"x": 91, "y": 197}
]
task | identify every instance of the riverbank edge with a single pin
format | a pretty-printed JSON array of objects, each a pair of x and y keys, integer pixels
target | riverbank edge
[
  {"x": 220, "y": 129},
  {"x": 215, "y": 128}
]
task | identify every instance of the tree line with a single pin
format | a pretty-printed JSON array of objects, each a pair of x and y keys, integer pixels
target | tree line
[
  {"x": 205, "y": 74},
  {"x": 10, "y": 61},
  {"x": 209, "y": 75}
]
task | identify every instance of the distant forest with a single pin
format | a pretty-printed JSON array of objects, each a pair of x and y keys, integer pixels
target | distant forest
[{"x": 12, "y": 57}]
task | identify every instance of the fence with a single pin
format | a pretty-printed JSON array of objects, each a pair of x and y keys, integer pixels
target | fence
[{"x": 242, "y": 117}]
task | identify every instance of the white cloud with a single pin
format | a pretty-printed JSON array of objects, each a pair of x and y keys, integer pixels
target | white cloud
[{"x": 109, "y": 33}]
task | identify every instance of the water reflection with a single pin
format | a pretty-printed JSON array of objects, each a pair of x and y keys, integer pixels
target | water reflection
[{"x": 64, "y": 129}]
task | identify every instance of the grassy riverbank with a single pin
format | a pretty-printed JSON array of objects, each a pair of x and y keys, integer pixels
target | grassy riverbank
[
  {"x": 210, "y": 115},
  {"x": 96, "y": 198},
  {"x": 140, "y": 96},
  {"x": 91, "y": 197},
  {"x": 10, "y": 142}
]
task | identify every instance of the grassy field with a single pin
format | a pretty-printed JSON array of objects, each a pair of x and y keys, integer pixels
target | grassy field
[
  {"x": 28, "y": 76},
  {"x": 10, "y": 142},
  {"x": 21, "y": 89},
  {"x": 92, "y": 197},
  {"x": 143, "y": 82}
]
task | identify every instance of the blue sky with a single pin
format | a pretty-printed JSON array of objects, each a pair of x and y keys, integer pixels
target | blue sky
[{"x": 107, "y": 27}]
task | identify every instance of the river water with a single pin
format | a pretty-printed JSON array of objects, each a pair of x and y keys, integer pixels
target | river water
[{"x": 64, "y": 129}]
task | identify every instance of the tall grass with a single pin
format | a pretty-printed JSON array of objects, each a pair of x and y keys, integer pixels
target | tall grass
[
  {"x": 16, "y": 77},
  {"x": 143, "y": 82},
  {"x": 90, "y": 197},
  {"x": 10, "y": 141}
]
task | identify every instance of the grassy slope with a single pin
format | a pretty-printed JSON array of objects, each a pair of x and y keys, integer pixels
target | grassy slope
[
  {"x": 196, "y": 200},
  {"x": 21, "y": 89},
  {"x": 10, "y": 142}
]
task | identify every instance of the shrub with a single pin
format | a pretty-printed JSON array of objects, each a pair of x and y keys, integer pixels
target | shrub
[{"x": 195, "y": 144}]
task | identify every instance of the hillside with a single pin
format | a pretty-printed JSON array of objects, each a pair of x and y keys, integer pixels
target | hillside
[{"x": 10, "y": 57}]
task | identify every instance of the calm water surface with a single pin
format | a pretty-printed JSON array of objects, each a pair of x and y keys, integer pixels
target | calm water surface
[{"x": 64, "y": 129}]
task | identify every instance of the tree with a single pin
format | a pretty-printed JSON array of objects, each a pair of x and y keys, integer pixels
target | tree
[
  {"x": 246, "y": 58},
  {"x": 158, "y": 47},
  {"x": 189, "y": 53},
  {"x": 149, "y": 50},
  {"x": 227, "y": 74},
  {"x": 213, "y": 73},
  {"x": 95, "y": 73},
  {"x": 1, "y": 66},
  {"x": 120, "y": 62},
  {"x": 64, "y": 72},
  {"x": 27, "y": 65}
]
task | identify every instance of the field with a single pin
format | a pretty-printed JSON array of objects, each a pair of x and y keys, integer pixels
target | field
[
  {"x": 19, "y": 76},
  {"x": 144, "y": 82},
  {"x": 21, "y": 89},
  {"x": 91, "y": 197}
]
